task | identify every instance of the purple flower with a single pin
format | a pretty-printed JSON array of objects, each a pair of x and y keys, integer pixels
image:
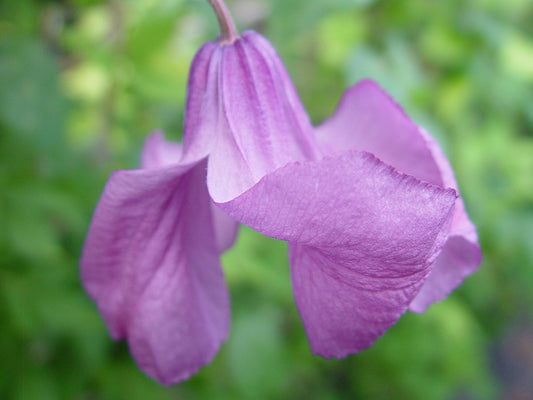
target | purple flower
[{"x": 366, "y": 201}]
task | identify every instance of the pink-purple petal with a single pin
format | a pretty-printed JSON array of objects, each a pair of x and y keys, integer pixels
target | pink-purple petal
[
  {"x": 151, "y": 264},
  {"x": 461, "y": 256},
  {"x": 226, "y": 229},
  {"x": 201, "y": 111},
  {"x": 368, "y": 119},
  {"x": 345, "y": 311},
  {"x": 158, "y": 152},
  {"x": 302, "y": 140},
  {"x": 358, "y": 226},
  {"x": 259, "y": 123},
  {"x": 344, "y": 202},
  {"x": 458, "y": 259}
]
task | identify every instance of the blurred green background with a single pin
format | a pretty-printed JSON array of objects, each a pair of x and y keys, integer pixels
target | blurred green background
[{"x": 82, "y": 82}]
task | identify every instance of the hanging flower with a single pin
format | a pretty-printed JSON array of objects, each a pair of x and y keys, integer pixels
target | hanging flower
[{"x": 366, "y": 201}]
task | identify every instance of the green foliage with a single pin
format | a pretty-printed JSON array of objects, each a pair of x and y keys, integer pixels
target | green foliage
[
  {"x": 83, "y": 82},
  {"x": 28, "y": 70}
]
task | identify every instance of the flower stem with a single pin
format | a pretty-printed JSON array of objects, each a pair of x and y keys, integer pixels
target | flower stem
[{"x": 228, "y": 31}]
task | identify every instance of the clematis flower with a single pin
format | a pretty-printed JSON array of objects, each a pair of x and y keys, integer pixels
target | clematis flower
[{"x": 366, "y": 201}]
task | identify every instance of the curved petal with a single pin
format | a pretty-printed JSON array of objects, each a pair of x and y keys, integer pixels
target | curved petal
[
  {"x": 461, "y": 225},
  {"x": 344, "y": 311},
  {"x": 458, "y": 259},
  {"x": 461, "y": 256},
  {"x": 257, "y": 118},
  {"x": 158, "y": 152},
  {"x": 200, "y": 111},
  {"x": 368, "y": 119},
  {"x": 151, "y": 264},
  {"x": 226, "y": 229},
  {"x": 360, "y": 228}
]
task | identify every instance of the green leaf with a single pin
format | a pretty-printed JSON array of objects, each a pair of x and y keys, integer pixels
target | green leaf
[
  {"x": 32, "y": 103},
  {"x": 256, "y": 354}
]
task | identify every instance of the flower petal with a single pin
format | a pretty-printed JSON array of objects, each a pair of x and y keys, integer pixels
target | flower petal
[
  {"x": 256, "y": 116},
  {"x": 226, "y": 229},
  {"x": 344, "y": 309},
  {"x": 458, "y": 259},
  {"x": 151, "y": 264},
  {"x": 461, "y": 256},
  {"x": 366, "y": 232},
  {"x": 368, "y": 119},
  {"x": 201, "y": 109},
  {"x": 158, "y": 152}
]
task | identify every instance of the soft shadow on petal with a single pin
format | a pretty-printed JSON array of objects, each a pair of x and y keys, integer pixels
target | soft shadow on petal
[
  {"x": 150, "y": 262},
  {"x": 366, "y": 231},
  {"x": 226, "y": 229}
]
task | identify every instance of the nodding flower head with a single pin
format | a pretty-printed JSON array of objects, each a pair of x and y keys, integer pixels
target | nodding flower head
[{"x": 366, "y": 201}]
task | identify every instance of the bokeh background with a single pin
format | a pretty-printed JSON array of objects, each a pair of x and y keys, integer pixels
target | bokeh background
[{"x": 82, "y": 82}]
